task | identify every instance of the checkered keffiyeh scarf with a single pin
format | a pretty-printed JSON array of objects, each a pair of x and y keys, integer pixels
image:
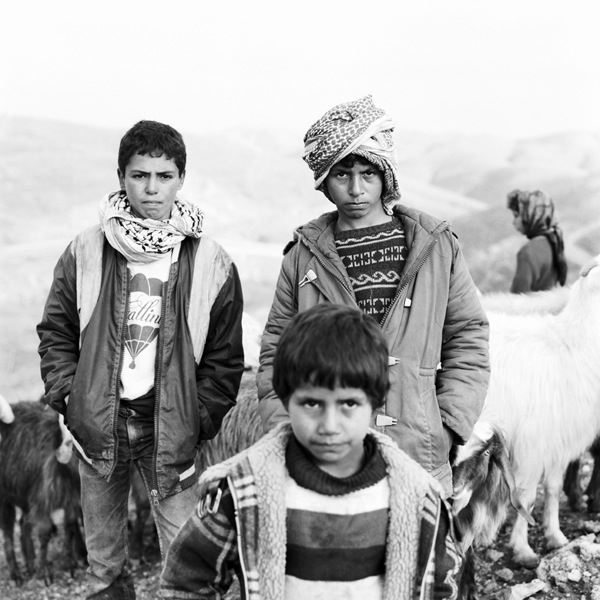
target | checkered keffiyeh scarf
[
  {"x": 357, "y": 127},
  {"x": 146, "y": 240}
]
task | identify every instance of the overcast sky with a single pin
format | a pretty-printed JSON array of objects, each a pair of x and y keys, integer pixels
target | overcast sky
[{"x": 519, "y": 68}]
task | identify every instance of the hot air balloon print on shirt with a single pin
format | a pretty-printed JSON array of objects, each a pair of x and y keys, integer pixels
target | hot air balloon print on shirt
[{"x": 145, "y": 298}]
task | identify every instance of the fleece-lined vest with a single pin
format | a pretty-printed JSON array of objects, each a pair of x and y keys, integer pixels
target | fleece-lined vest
[{"x": 257, "y": 482}]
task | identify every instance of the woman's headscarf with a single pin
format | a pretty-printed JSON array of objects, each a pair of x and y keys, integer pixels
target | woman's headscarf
[
  {"x": 357, "y": 127},
  {"x": 536, "y": 210}
]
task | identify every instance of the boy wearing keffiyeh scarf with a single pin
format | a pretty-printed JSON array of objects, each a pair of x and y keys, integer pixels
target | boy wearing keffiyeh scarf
[
  {"x": 141, "y": 349},
  {"x": 400, "y": 266}
]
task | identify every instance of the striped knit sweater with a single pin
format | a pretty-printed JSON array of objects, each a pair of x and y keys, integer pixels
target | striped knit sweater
[
  {"x": 420, "y": 556},
  {"x": 336, "y": 528},
  {"x": 374, "y": 259}
]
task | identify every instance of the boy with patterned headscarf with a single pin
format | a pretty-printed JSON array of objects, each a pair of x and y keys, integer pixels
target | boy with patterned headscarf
[
  {"x": 141, "y": 349},
  {"x": 402, "y": 267},
  {"x": 541, "y": 262}
]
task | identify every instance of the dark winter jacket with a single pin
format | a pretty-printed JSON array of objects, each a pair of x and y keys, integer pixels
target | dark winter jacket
[
  {"x": 436, "y": 330},
  {"x": 199, "y": 356}
]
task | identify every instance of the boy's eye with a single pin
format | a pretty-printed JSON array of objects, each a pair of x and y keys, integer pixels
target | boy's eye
[
  {"x": 308, "y": 403},
  {"x": 166, "y": 176},
  {"x": 138, "y": 175},
  {"x": 350, "y": 403}
]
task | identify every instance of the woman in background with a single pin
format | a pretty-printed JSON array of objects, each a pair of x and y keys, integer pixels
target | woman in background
[{"x": 541, "y": 262}]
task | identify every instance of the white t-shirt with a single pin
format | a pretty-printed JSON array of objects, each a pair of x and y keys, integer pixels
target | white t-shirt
[{"x": 146, "y": 284}]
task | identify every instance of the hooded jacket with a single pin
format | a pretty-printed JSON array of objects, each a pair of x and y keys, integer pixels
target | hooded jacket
[
  {"x": 199, "y": 356},
  {"x": 436, "y": 329},
  {"x": 421, "y": 555}
]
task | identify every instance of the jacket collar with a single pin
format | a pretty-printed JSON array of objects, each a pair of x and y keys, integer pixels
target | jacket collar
[{"x": 419, "y": 228}]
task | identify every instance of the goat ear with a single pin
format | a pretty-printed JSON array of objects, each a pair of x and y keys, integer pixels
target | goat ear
[{"x": 512, "y": 487}]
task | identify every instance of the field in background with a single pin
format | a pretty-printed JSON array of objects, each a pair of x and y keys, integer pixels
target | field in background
[{"x": 255, "y": 190}]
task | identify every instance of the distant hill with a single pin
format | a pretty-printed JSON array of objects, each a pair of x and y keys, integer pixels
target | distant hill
[
  {"x": 565, "y": 165},
  {"x": 255, "y": 189}
]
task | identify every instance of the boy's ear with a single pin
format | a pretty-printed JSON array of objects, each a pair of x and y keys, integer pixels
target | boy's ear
[
  {"x": 121, "y": 179},
  {"x": 181, "y": 180}
]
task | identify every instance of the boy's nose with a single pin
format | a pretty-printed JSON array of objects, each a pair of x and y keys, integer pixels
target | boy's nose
[
  {"x": 329, "y": 423},
  {"x": 355, "y": 186},
  {"x": 151, "y": 185}
]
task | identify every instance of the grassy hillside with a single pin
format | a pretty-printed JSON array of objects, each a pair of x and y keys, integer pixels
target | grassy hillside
[{"x": 255, "y": 189}]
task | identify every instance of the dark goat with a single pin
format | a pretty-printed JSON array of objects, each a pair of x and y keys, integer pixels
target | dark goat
[
  {"x": 33, "y": 480},
  {"x": 484, "y": 489}
]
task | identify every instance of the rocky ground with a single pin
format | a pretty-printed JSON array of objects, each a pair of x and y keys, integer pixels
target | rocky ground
[{"x": 572, "y": 572}]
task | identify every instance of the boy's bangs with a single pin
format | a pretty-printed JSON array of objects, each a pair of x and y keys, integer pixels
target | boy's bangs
[
  {"x": 339, "y": 375},
  {"x": 348, "y": 369},
  {"x": 332, "y": 346}
]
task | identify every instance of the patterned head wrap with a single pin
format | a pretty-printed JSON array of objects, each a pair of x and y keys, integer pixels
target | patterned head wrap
[
  {"x": 359, "y": 128},
  {"x": 536, "y": 210}
]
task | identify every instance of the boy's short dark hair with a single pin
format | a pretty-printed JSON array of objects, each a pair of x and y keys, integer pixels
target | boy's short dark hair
[
  {"x": 154, "y": 138},
  {"x": 331, "y": 345}
]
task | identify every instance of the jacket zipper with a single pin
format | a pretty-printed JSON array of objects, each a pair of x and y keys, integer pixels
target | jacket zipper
[
  {"x": 412, "y": 274},
  {"x": 125, "y": 279},
  {"x": 157, "y": 378}
]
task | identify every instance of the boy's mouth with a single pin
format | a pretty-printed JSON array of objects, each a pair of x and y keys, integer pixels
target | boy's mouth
[{"x": 328, "y": 445}]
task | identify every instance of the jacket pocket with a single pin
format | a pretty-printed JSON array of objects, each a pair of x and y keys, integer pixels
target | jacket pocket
[
  {"x": 204, "y": 424},
  {"x": 439, "y": 441}
]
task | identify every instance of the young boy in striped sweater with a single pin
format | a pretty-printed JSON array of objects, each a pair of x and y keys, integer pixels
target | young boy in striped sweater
[{"x": 322, "y": 506}]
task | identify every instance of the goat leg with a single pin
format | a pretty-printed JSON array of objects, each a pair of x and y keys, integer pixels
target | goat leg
[
  {"x": 27, "y": 545},
  {"x": 467, "y": 588},
  {"x": 74, "y": 545},
  {"x": 593, "y": 488},
  {"x": 571, "y": 485},
  {"x": 46, "y": 529},
  {"x": 8, "y": 518},
  {"x": 523, "y": 554},
  {"x": 555, "y": 538},
  {"x": 77, "y": 541}
]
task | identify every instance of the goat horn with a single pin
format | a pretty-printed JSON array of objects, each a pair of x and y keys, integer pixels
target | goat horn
[{"x": 6, "y": 412}]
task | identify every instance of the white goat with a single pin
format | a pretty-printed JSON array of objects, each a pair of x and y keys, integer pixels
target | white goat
[
  {"x": 548, "y": 301},
  {"x": 544, "y": 393}
]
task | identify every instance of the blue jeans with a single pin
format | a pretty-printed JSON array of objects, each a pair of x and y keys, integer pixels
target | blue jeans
[{"x": 105, "y": 511}]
